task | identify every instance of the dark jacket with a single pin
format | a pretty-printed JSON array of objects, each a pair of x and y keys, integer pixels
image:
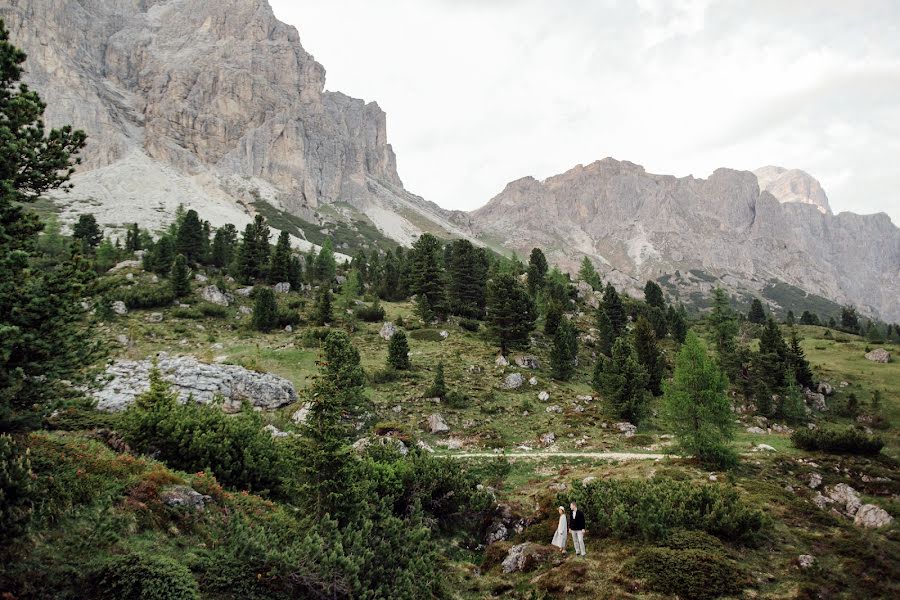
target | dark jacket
[{"x": 577, "y": 520}]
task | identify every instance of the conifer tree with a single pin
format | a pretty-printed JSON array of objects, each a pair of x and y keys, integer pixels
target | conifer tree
[
  {"x": 87, "y": 231},
  {"x": 280, "y": 267},
  {"x": 552, "y": 317},
  {"x": 360, "y": 262},
  {"x": 696, "y": 408},
  {"x": 325, "y": 266},
  {"x": 723, "y": 323},
  {"x": 756, "y": 314},
  {"x": 564, "y": 354},
  {"x": 105, "y": 256},
  {"x": 653, "y": 295},
  {"x": 438, "y": 387},
  {"x": 588, "y": 274},
  {"x": 133, "y": 238},
  {"x": 623, "y": 383},
  {"x": 189, "y": 240},
  {"x": 265, "y": 309},
  {"x": 181, "y": 277},
  {"x": 51, "y": 243},
  {"x": 849, "y": 319},
  {"x": 247, "y": 268},
  {"x": 537, "y": 271},
  {"x": 398, "y": 352},
  {"x": 295, "y": 273},
  {"x": 322, "y": 310},
  {"x": 807, "y": 318},
  {"x": 162, "y": 255},
  {"x": 223, "y": 246},
  {"x": 611, "y": 319},
  {"x": 467, "y": 269},
  {"x": 389, "y": 282},
  {"x": 427, "y": 279},
  {"x": 649, "y": 355},
  {"x": 678, "y": 323},
  {"x": 789, "y": 319},
  {"x": 510, "y": 311},
  {"x": 261, "y": 249},
  {"x": 605, "y": 333},
  {"x": 797, "y": 361}
]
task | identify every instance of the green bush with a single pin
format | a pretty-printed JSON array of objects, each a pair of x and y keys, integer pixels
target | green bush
[
  {"x": 426, "y": 335},
  {"x": 144, "y": 296},
  {"x": 470, "y": 324},
  {"x": 215, "y": 311},
  {"x": 689, "y": 574},
  {"x": 386, "y": 375},
  {"x": 652, "y": 509},
  {"x": 370, "y": 314},
  {"x": 684, "y": 539},
  {"x": 145, "y": 577},
  {"x": 837, "y": 441},
  {"x": 314, "y": 336},
  {"x": 186, "y": 313},
  {"x": 16, "y": 488},
  {"x": 288, "y": 317},
  {"x": 456, "y": 399}
]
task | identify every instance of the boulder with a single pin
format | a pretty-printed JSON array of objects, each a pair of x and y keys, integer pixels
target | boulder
[
  {"x": 806, "y": 561},
  {"x": 533, "y": 381},
  {"x": 275, "y": 432},
  {"x": 155, "y": 317},
  {"x": 879, "y": 355},
  {"x": 387, "y": 330},
  {"x": 183, "y": 496},
  {"x": 513, "y": 381},
  {"x": 554, "y": 409},
  {"x": 825, "y": 388},
  {"x": 544, "y": 396},
  {"x": 845, "y": 497},
  {"x": 871, "y": 516},
  {"x": 282, "y": 287},
  {"x": 528, "y": 362},
  {"x": 363, "y": 444},
  {"x": 126, "y": 264},
  {"x": 423, "y": 446},
  {"x": 763, "y": 448},
  {"x": 124, "y": 380},
  {"x": 437, "y": 424},
  {"x": 288, "y": 328},
  {"x": 200, "y": 278},
  {"x": 301, "y": 414},
  {"x": 214, "y": 295},
  {"x": 445, "y": 334},
  {"x": 501, "y": 361},
  {"x": 756, "y": 430},
  {"x": 548, "y": 438},
  {"x": 814, "y": 480},
  {"x": 119, "y": 308},
  {"x": 815, "y": 400},
  {"x": 525, "y": 557},
  {"x": 245, "y": 310},
  {"x": 244, "y": 292},
  {"x": 627, "y": 428}
]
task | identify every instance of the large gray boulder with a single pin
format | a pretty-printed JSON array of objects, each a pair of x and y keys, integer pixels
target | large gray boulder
[
  {"x": 214, "y": 295},
  {"x": 513, "y": 381},
  {"x": 871, "y": 516},
  {"x": 437, "y": 423},
  {"x": 387, "y": 330},
  {"x": 125, "y": 380},
  {"x": 183, "y": 496},
  {"x": 879, "y": 355}
]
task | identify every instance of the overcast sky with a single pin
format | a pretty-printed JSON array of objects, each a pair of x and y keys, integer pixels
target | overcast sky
[{"x": 481, "y": 92}]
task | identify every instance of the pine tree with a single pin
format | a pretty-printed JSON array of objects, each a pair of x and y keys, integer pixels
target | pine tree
[
  {"x": 189, "y": 240},
  {"x": 552, "y": 317},
  {"x": 322, "y": 310},
  {"x": 589, "y": 275},
  {"x": 133, "y": 238},
  {"x": 162, "y": 255},
  {"x": 438, "y": 387},
  {"x": 261, "y": 247},
  {"x": 696, "y": 408},
  {"x": 510, "y": 311},
  {"x": 181, "y": 277},
  {"x": 427, "y": 279},
  {"x": 756, "y": 314},
  {"x": 623, "y": 383},
  {"x": 295, "y": 273},
  {"x": 398, "y": 352},
  {"x": 537, "y": 271},
  {"x": 360, "y": 262},
  {"x": 790, "y": 320},
  {"x": 799, "y": 364},
  {"x": 18, "y": 491},
  {"x": 611, "y": 319},
  {"x": 325, "y": 265},
  {"x": 653, "y": 295},
  {"x": 807, "y": 318},
  {"x": 87, "y": 231},
  {"x": 467, "y": 269},
  {"x": 564, "y": 354},
  {"x": 51, "y": 243},
  {"x": 265, "y": 309},
  {"x": 723, "y": 323},
  {"x": 649, "y": 355},
  {"x": 223, "y": 246},
  {"x": 280, "y": 267},
  {"x": 105, "y": 256},
  {"x": 246, "y": 269},
  {"x": 678, "y": 323},
  {"x": 605, "y": 333},
  {"x": 849, "y": 319}
]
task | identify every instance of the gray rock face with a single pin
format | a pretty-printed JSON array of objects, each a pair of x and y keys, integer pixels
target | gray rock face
[
  {"x": 636, "y": 226},
  {"x": 212, "y": 294},
  {"x": 183, "y": 496},
  {"x": 513, "y": 381},
  {"x": 871, "y": 516},
  {"x": 528, "y": 362},
  {"x": 437, "y": 424},
  {"x": 124, "y": 380},
  {"x": 387, "y": 330},
  {"x": 119, "y": 308},
  {"x": 879, "y": 355},
  {"x": 792, "y": 185},
  {"x": 282, "y": 288}
]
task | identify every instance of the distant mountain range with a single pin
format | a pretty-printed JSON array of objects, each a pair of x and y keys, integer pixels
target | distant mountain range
[{"x": 217, "y": 105}]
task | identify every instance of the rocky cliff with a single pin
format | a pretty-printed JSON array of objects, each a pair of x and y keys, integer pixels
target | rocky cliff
[
  {"x": 214, "y": 104},
  {"x": 636, "y": 225}
]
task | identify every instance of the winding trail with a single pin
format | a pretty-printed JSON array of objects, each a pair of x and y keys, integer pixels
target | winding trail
[{"x": 542, "y": 454}]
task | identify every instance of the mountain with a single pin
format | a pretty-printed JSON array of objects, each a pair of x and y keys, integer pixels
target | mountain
[
  {"x": 213, "y": 104},
  {"x": 697, "y": 233}
]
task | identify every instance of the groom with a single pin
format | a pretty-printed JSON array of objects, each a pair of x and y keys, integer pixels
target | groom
[{"x": 577, "y": 529}]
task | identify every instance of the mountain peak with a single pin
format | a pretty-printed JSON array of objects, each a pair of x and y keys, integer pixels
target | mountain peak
[{"x": 792, "y": 185}]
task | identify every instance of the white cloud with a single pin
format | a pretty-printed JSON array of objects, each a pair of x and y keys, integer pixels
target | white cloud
[{"x": 481, "y": 93}]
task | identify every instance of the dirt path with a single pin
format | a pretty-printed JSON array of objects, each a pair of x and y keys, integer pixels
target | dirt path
[{"x": 542, "y": 454}]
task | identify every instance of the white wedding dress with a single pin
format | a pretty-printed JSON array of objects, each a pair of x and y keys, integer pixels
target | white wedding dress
[{"x": 562, "y": 532}]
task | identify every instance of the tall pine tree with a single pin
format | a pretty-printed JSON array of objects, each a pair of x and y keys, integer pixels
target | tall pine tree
[
  {"x": 191, "y": 239},
  {"x": 537, "y": 271},
  {"x": 623, "y": 383},
  {"x": 427, "y": 277},
  {"x": 649, "y": 355},
  {"x": 468, "y": 271},
  {"x": 510, "y": 311},
  {"x": 280, "y": 267},
  {"x": 181, "y": 277},
  {"x": 564, "y": 354}
]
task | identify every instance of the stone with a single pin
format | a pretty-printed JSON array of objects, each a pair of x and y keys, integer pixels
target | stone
[
  {"x": 282, "y": 287},
  {"x": 288, "y": 328},
  {"x": 301, "y": 414},
  {"x": 844, "y": 384},
  {"x": 554, "y": 409},
  {"x": 424, "y": 446},
  {"x": 815, "y": 400},
  {"x": 244, "y": 292},
  {"x": 779, "y": 428},
  {"x": 806, "y": 561},
  {"x": 501, "y": 361},
  {"x": 871, "y": 517},
  {"x": 387, "y": 330},
  {"x": 275, "y": 432},
  {"x": 584, "y": 398},
  {"x": 129, "y": 276},
  {"x": 183, "y": 496},
  {"x": 879, "y": 355},
  {"x": 533, "y": 381},
  {"x": 245, "y": 310},
  {"x": 389, "y": 441},
  {"x": 548, "y": 439},
  {"x": 214, "y": 295},
  {"x": 119, "y": 308},
  {"x": 126, "y": 264},
  {"x": 627, "y": 428},
  {"x": 437, "y": 424},
  {"x": 154, "y": 317},
  {"x": 544, "y": 396},
  {"x": 825, "y": 388},
  {"x": 756, "y": 430},
  {"x": 814, "y": 480},
  {"x": 588, "y": 480},
  {"x": 445, "y": 334},
  {"x": 525, "y": 557},
  {"x": 124, "y": 380},
  {"x": 513, "y": 381},
  {"x": 528, "y": 362},
  {"x": 846, "y": 497},
  {"x": 763, "y": 448},
  {"x": 200, "y": 278}
]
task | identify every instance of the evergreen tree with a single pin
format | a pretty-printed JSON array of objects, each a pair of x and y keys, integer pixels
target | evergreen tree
[
  {"x": 467, "y": 268},
  {"x": 246, "y": 267},
  {"x": 623, "y": 383},
  {"x": 790, "y": 320},
  {"x": 295, "y": 273},
  {"x": 807, "y": 318},
  {"x": 564, "y": 354},
  {"x": 605, "y": 333},
  {"x": 265, "y": 309},
  {"x": 261, "y": 247},
  {"x": 552, "y": 317},
  {"x": 389, "y": 282},
  {"x": 133, "y": 238},
  {"x": 649, "y": 355},
  {"x": 770, "y": 368},
  {"x": 438, "y": 387},
  {"x": 87, "y": 231},
  {"x": 756, "y": 314},
  {"x": 322, "y": 310},
  {"x": 105, "y": 256},
  {"x": 589, "y": 275},
  {"x": 309, "y": 265},
  {"x": 873, "y": 333},
  {"x": 537, "y": 270},
  {"x": 280, "y": 267},
  {"x": 398, "y": 352},
  {"x": 831, "y": 323},
  {"x": 797, "y": 361},
  {"x": 792, "y": 407},
  {"x": 427, "y": 278},
  {"x": 51, "y": 243},
  {"x": 42, "y": 334},
  {"x": 189, "y": 240},
  {"x": 510, "y": 311},
  {"x": 360, "y": 262},
  {"x": 849, "y": 319},
  {"x": 678, "y": 323},
  {"x": 611, "y": 319},
  {"x": 162, "y": 255},
  {"x": 181, "y": 277},
  {"x": 659, "y": 321},
  {"x": 723, "y": 323},
  {"x": 653, "y": 295},
  {"x": 325, "y": 266},
  {"x": 223, "y": 246},
  {"x": 17, "y": 488},
  {"x": 696, "y": 407}
]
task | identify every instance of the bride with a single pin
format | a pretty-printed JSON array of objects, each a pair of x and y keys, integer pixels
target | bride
[{"x": 562, "y": 531}]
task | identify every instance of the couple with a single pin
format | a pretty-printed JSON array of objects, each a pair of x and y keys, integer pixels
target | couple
[{"x": 559, "y": 538}]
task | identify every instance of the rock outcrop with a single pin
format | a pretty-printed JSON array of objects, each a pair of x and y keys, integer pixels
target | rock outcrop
[
  {"x": 792, "y": 185},
  {"x": 125, "y": 380}
]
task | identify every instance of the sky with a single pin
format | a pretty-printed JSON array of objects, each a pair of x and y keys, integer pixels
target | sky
[{"x": 482, "y": 92}]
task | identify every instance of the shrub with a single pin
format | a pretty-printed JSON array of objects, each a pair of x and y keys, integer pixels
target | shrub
[
  {"x": 470, "y": 324},
  {"x": 296, "y": 303},
  {"x": 426, "y": 335},
  {"x": 144, "y": 296},
  {"x": 314, "y": 336},
  {"x": 288, "y": 317},
  {"x": 145, "y": 577},
  {"x": 265, "y": 310},
  {"x": 186, "y": 313},
  {"x": 652, "y": 509},
  {"x": 386, "y": 375},
  {"x": 398, "y": 352},
  {"x": 837, "y": 441},
  {"x": 215, "y": 311},
  {"x": 456, "y": 399},
  {"x": 370, "y": 314},
  {"x": 690, "y": 574},
  {"x": 684, "y": 539},
  {"x": 16, "y": 488}
]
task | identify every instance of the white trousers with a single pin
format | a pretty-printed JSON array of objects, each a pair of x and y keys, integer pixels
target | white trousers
[{"x": 578, "y": 541}]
